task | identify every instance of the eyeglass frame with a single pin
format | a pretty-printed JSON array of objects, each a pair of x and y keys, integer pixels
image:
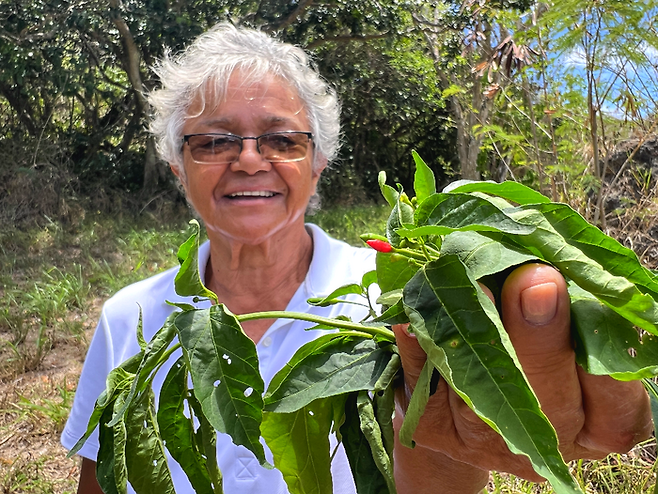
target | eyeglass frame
[{"x": 186, "y": 139}]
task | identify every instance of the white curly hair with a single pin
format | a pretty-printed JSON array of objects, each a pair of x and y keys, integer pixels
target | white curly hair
[{"x": 208, "y": 64}]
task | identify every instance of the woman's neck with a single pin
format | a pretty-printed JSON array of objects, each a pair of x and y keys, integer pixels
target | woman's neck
[{"x": 254, "y": 278}]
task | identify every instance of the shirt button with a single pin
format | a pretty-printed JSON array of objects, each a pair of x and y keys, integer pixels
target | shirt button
[{"x": 267, "y": 341}]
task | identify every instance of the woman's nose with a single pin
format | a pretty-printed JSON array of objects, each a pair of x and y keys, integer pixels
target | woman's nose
[{"x": 250, "y": 160}]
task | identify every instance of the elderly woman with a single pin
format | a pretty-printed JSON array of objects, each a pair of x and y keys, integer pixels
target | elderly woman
[{"x": 247, "y": 127}]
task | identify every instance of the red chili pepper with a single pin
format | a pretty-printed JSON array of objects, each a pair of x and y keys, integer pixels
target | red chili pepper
[{"x": 380, "y": 245}]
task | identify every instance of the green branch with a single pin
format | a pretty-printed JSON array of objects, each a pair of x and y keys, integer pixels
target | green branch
[{"x": 336, "y": 323}]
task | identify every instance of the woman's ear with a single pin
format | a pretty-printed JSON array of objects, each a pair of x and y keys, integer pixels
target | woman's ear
[
  {"x": 180, "y": 175},
  {"x": 319, "y": 164}
]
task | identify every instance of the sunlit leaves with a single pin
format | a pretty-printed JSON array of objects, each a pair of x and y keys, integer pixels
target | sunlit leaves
[
  {"x": 330, "y": 365},
  {"x": 148, "y": 471},
  {"x": 343, "y": 383},
  {"x": 608, "y": 344},
  {"x": 177, "y": 428}
]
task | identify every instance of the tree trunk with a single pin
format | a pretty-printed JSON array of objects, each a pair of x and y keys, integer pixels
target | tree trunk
[
  {"x": 131, "y": 60},
  {"x": 154, "y": 172}
]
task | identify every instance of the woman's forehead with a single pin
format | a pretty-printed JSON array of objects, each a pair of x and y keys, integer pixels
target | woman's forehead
[{"x": 266, "y": 89}]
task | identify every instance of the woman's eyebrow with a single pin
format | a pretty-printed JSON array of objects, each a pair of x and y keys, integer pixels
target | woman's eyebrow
[{"x": 266, "y": 119}]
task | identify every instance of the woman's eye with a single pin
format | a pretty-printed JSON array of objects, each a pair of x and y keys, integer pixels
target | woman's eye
[
  {"x": 220, "y": 142},
  {"x": 281, "y": 141}
]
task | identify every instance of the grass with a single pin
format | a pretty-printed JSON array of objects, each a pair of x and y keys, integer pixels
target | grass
[
  {"x": 631, "y": 473},
  {"x": 53, "y": 281}
]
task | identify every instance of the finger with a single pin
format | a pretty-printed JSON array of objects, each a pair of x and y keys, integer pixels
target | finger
[
  {"x": 448, "y": 424},
  {"x": 535, "y": 312},
  {"x": 412, "y": 355},
  {"x": 617, "y": 415}
]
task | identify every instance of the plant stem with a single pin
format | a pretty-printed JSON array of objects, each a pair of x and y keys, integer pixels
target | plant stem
[
  {"x": 410, "y": 253},
  {"x": 336, "y": 323}
]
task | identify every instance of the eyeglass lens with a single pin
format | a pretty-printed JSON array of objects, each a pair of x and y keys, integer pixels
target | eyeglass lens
[{"x": 226, "y": 148}]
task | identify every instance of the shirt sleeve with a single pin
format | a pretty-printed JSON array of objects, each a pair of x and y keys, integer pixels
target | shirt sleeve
[{"x": 98, "y": 364}]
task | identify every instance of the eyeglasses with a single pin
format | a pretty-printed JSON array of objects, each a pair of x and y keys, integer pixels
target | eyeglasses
[{"x": 215, "y": 149}]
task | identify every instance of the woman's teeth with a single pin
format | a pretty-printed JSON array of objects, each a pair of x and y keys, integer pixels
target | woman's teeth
[{"x": 253, "y": 193}]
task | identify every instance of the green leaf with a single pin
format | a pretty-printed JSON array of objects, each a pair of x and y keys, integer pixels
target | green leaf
[
  {"x": 485, "y": 254},
  {"x": 384, "y": 409},
  {"x": 607, "y": 343},
  {"x": 332, "y": 298},
  {"x": 452, "y": 90},
  {"x": 416, "y": 406},
  {"x": 177, "y": 429},
  {"x": 105, "y": 458},
  {"x": 387, "y": 377},
  {"x": 369, "y": 278},
  {"x": 393, "y": 271},
  {"x": 390, "y": 298},
  {"x": 617, "y": 292},
  {"x": 224, "y": 368},
  {"x": 120, "y": 435},
  {"x": 389, "y": 193},
  {"x": 152, "y": 356},
  {"x": 367, "y": 477},
  {"x": 402, "y": 214},
  {"x": 206, "y": 438},
  {"x": 617, "y": 259},
  {"x": 299, "y": 442},
  {"x": 458, "y": 327},
  {"x": 395, "y": 314},
  {"x": 330, "y": 365},
  {"x": 511, "y": 191},
  {"x": 148, "y": 471},
  {"x": 182, "y": 306},
  {"x": 443, "y": 213},
  {"x": 373, "y": 434},
  {"x": 140, "y": 332},
  {"x": 424, "y": 181},
  {"x": 118, "y": 380},
  {"x": 188, "y": 281}
]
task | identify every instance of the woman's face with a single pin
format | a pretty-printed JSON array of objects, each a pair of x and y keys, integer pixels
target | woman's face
[{"x": 251, "y": 199}]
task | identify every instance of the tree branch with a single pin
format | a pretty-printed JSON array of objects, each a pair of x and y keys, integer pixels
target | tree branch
[{"x": 131, "y": 56}]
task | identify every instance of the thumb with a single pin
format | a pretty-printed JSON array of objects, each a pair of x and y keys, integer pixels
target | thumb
[{"x": 536, "y": 315}]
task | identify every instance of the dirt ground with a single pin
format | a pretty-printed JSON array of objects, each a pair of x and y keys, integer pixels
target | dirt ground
[{"x": 33, "y": 409}]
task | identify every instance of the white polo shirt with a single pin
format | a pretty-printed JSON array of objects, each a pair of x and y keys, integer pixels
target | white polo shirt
[{"x": 334, "y": 264}]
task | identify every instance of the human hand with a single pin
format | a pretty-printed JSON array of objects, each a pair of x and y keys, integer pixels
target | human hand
[{"x": 593, "y": 415}]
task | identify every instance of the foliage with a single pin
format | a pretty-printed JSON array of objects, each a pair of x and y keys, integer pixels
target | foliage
[
  {"x": 443, "y": 239},
  {"x": 72, "y": 101},
  {"x": 585, "y": 94}
]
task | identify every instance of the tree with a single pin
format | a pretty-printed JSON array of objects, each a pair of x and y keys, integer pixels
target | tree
[
  {"x": 614, "y": 46},
  {"x": 467, "y": 43}
]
